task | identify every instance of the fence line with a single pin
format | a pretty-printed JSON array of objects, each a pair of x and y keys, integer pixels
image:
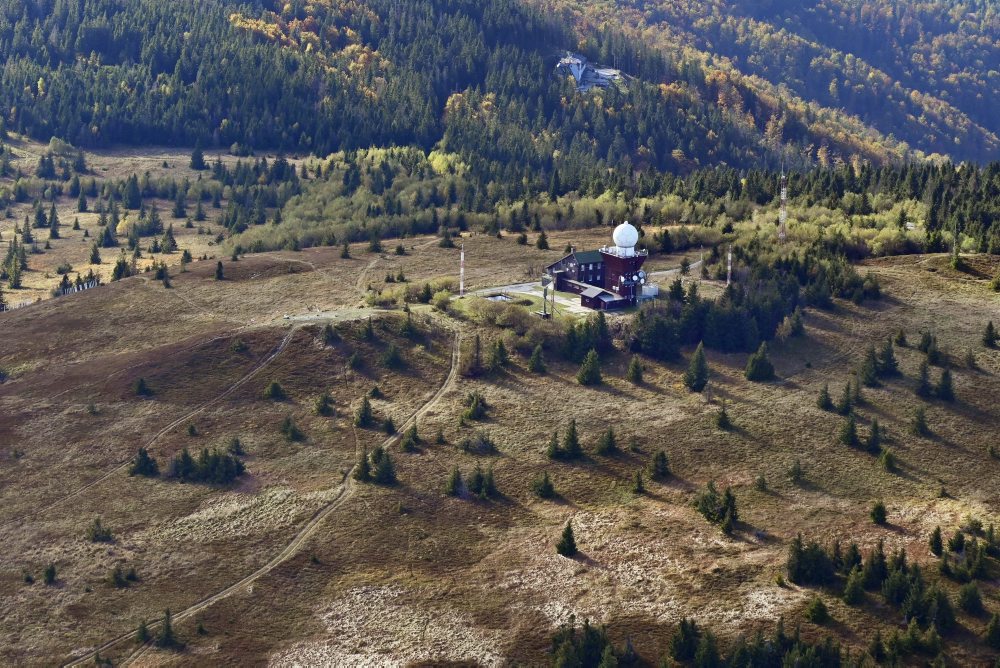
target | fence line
[{"x": 89, "y": 285}]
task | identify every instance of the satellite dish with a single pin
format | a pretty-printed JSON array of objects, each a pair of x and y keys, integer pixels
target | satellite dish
[
  {"x": 635, "y": 277},
  {"x": 642, "y": 274},
  {"x": 643, "y": 281},
  {"x": 621, "y": 279}
]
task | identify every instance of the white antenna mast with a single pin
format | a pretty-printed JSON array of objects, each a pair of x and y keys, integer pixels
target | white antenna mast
[
  {"x": 729, "y": 268},
  {"x": 461, "y": 274},
  {"x": 783, "y": 214}
]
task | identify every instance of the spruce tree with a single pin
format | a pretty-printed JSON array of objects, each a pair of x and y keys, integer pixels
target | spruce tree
[
  {"x": 219, "y": 272},
  {"x": 590, "y": 370},
  {"x": 274, "y": 391},
  {"x": 684, "y": 642},
  {"x": 634, "y": 372},
  {"x": 923, "y": 380},
  {"x": 854, "y": 589},
  {"x": 992, "y": 634},
  {"x": 198, "y": 158},
  {"x": 868, "y": 371},
  {"x": 606, "y": 444},
  {"x": 552, "y": 450},
  {"x": 362, "y": 472},
  {"x": 49, "y": 576},
  {"x": 536, "y": 363},
  {"x": 567, "y": 543},
  {"x": 823, "y": 401},
  {"x": 722, "y": 420},
  {"x": 919, "y": 425},
  {"x": 935, "y": 542},
  {"x": 53, "y": 223},
  {"x": 141, "y": 388},
  {"x": 144, "y": 465},
  {"x": 499, "y": 357},
  {"x": 878, "y": 513},
  {"x": 542, "y": 243},
  {"x": 166, "y": 638},
  {"x": 142, "y": 633},
  {"x": 660, "y": 468},
  {"x": 887, "y": 364},
  {"x": 364, "y": 417},
  {"x": 816, "y": 611},
  {"x": 571, "y": 443},
  {"x": 759, "y": 367},
  {"x": 874, "y": 442},
  {"x": 95, "y": 254},
  {"x": 454, "y": 485},
  {"x": 696, "y": 376},
  {"x": 385, "y": 471},
  {"x": 638, "y": 487},
  {"x": 944, "y": 390},
  {"x": 543, "y": 487},
  {"x": 990, "y": 336}
]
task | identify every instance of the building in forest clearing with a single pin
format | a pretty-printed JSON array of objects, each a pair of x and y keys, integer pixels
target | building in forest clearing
[
  {"x": 587, "y": 76},
  {"x": 608, "y": 278}
]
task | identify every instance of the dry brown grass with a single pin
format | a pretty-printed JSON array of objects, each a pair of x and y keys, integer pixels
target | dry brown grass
[
  {"x": 73, "y": 247},
  {"x": 405, "y": 574}
]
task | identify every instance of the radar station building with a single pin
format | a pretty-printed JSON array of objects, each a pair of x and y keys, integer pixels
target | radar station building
[{"x": 608, "y": 278}]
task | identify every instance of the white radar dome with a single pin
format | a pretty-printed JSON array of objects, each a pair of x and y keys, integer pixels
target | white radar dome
[{"x": 625, "y": 236}]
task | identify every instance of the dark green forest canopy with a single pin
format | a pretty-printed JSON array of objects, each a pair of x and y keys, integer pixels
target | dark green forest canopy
[{"x": 472, "y": 77}]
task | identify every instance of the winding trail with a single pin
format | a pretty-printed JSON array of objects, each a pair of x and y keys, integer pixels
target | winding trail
[
  {"x": 173, "y": 425},
  {"x": 341, "y": 494}
]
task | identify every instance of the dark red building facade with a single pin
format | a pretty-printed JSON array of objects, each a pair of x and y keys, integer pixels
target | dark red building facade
[{"x": 609, "y": 278}]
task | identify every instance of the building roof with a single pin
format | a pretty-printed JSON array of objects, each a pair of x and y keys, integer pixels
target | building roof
[
  {"x": 592, "y": 292},
  {"x": 588, "y": 257}
]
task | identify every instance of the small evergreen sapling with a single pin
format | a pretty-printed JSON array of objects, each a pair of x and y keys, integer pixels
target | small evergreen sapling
[
  {"x": 634, "y": 372},
  {"x": 606, "y": 444},
  {"x": 919, "y": 424},
  {"x": 823, "y": 401},
  {"x": 638, "y": 487},
  {"x": 660, "y": 467},
  {"x": 543, "y": 487},
  {"x": 144, "y": 465},
  {"x": 590, "y": 370},
  {"x": 567, "y": 543},
  {"x": 844, "y": 404},
  {"x": 924, "y": 389},
  {"x": 453, "y": 487},
  {"x": 696, "y": 377},
  {"x": 878, "y": 513},
  {"x": 945, "y": 390},
  {"x": 571, "y": 443},
  {"x": 849, "y": 432},
  {"x": 935, "y": 542},
  {"x": 536, "y": 363},
  {"x": 990, "y": 335},
  {"x": 817, "y": 612},
  {"x": 364, "y": 416},
  {"x": 759, "y": 367}
]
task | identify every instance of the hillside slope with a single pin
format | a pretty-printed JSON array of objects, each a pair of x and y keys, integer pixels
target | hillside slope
[
  {"x": 924, "y": 73},
  {"x": 404, "y": 573},
  {"x": 476, "y": 78}
]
